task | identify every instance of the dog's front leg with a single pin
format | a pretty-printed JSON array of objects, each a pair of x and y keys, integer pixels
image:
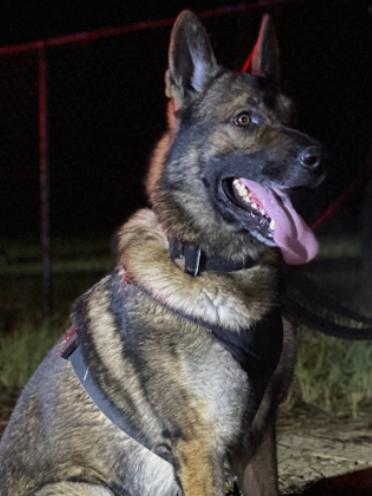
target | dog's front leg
[
  {"x": 199, "y": 468},
  {"x": 259, "y": 475}
]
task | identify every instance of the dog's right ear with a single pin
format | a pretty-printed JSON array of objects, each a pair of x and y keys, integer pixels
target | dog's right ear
[
  {"x": 191, "y": 61},
  {"x": 265, "y": 55}
]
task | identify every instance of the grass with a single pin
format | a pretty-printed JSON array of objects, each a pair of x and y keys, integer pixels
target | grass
[
  {"x": 20, "y": 353},
  {"x": 331, "y": 374},
  {"x": 76, "y": 265},
  {"x": 24, "y": 338}
]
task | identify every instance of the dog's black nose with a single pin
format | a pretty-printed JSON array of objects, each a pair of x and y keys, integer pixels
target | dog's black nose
[{"x": 311, "y": 157}]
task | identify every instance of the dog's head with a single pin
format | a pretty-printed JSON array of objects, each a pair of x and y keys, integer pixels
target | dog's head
[{"x": 223, "y": 174}]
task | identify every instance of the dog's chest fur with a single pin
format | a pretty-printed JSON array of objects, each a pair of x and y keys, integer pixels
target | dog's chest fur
[{"x": 165, "y": 355}]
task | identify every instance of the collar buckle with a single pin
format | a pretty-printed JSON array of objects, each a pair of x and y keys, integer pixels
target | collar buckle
[{"x": 193, "y": 255}]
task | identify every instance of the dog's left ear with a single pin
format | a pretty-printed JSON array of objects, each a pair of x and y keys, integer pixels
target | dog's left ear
[
  {"x": 265, "y": 57},
  {"x": 191, "y": 60}
]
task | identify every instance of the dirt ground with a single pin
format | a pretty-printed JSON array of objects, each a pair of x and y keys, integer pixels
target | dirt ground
[{"x": 313, "y": 446}]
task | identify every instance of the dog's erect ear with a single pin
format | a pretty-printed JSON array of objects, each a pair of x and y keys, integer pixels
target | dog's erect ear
[
  {"x": 191, "y": 59},
  {"x": 265, "y": 57}
]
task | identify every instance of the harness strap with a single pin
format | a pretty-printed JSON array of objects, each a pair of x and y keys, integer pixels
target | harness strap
[{"x": 73, "y": 352}]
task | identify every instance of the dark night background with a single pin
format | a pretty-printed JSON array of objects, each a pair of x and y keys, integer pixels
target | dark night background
[{"x": 106, "y": 104}]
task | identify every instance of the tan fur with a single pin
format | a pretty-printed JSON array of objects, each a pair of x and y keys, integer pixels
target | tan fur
[
  {"x": 157, "y": 162},
  {"x": 199, "y": 474},
  {"x": 196, "y": 473}
]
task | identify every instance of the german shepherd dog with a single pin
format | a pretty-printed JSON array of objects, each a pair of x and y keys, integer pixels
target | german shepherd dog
[{"x": 182, "y": 354}]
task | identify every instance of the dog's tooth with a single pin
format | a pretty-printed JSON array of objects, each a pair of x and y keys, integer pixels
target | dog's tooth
[
  {"x": 272, "y": 224},
  {"x": 239, "y": 187},
  {"x": 244, "y": 193},
  {"x": 262, "y": 211}
]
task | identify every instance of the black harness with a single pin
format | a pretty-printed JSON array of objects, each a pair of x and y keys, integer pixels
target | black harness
[
  {"x": 74, "y": 352},
  {"x": 257, "y": 349}
]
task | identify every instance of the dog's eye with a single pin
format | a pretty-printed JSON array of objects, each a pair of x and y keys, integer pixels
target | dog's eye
[{"x": 243, "y": 119}]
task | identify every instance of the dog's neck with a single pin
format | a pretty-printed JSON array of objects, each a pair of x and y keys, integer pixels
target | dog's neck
[{"x": 233, "y": 300}]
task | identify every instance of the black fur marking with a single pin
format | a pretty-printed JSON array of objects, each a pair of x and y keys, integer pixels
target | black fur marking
[
  {"x": 100, "y": 379},
  {"x": 117, "y": 309},
  {"x": 189, "y": 132}
]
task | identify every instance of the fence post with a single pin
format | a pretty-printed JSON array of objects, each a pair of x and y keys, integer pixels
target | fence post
[{"x": 44, "y": 181}]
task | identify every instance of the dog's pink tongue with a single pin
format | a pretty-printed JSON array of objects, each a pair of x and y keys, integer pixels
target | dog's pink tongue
[{"x": 291, "y": 233}]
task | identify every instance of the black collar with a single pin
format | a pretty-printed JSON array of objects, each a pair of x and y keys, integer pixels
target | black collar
[{"x": 197, "y": 261}]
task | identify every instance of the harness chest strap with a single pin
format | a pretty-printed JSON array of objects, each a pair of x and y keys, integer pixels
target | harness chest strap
[{"x": 73, "y": 351}]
